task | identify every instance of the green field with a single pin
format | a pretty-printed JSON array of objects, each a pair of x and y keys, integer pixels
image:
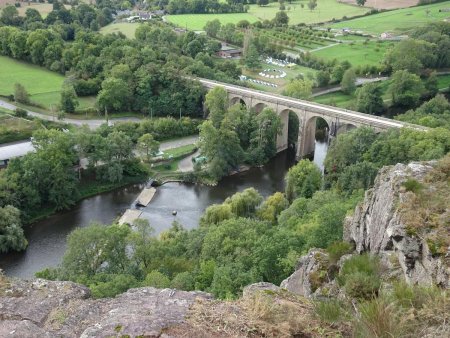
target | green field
[
  {"x": 196, "y": 22},
  {"x": 124, "y": 27},
  {"x": 326, "y": 10},
  {"x": 398, "y": 21},
  {"x": 357, "y": 53},
  {"x": 43, "y": 85}
]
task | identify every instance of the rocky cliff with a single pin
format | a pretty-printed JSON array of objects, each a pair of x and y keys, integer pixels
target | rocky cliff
[
  {"x": 404, "y": 219},
  {"x": 396, "y": 220}
]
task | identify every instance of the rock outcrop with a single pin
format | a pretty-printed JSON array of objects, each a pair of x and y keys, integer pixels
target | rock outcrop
[
  {"x": 41, "y": 308},
  {"x": 309, "y": 274},
  {"x": 378, "y": 226}
]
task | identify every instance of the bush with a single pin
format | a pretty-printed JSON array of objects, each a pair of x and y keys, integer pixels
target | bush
[
  {"x": 412, "y": 185},
  {"x": 19, "y": 112},
  {"x": 330, "y": 311},
  {"x": 362, "y": 286},
  {"x": 337, "y": 250},
  {"x": 360, "y": 276}
]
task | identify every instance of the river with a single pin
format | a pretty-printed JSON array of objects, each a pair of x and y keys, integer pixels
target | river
[{"x": 47, "y": 238}]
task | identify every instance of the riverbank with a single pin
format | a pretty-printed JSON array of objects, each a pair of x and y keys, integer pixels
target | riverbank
[{"x": 88, "y": 190}]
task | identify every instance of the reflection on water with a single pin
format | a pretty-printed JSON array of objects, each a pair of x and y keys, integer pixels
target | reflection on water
[{"x": 47, "y": 238}]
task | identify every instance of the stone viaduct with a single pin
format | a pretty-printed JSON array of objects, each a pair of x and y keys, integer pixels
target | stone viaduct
[{"x": 339, "y": 120}]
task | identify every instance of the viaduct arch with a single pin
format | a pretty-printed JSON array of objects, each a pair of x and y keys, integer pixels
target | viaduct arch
[{"x": 338, "y": 120}]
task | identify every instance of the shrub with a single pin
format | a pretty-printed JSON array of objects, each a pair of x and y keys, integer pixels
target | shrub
[
  {"x": 338, "y": 249},
  {"x": 330, "y": 311},
  {"x": 360, "y": 276},
  {"x": 19, "y": 112},
  {"x": 362, "y": 286},
  {"x": 412, "y": 185}
]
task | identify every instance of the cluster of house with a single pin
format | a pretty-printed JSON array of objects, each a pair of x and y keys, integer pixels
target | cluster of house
[{"x": 279, "y": 74}]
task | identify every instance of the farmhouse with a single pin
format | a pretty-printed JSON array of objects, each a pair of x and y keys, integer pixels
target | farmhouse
[{"x": 228, "y": 52}]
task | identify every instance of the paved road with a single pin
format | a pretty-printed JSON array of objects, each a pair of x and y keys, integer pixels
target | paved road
[
  {"x": 186, "y": 164},
  {"x": 21, "y": 148},
  {"x": 93, "y": 124},
  {"x": 359, "y": 82}
]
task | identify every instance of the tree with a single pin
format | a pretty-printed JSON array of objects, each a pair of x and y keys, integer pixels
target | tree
[
  {"x": 217, "y": 103},
  {"x": 20, "y": 94},
  {"x": 157, "y": 280},
  {"x": 11, "y": 232},
  {"x": 114, "y": 95},
  {"x": 272, "y": 207},
  {"x": 264, "y": 137},
  {"x": 303, "y": 179},
  {"x": 323, "y": 78},
  {"x": 212, "y": 27},
  {"x": 300, "y": 89},
  {"x": 10, "y": 16},
  {"x": 405, "y": 89},
  {"x": 69, "y": 99},
  {"x": 244, "y": 204},
  {"x": 148, "y": 145},
  {"x": 361, "y": 2},
  {"x": 312, "y": 4},
  {"x": 348, "y": 83},
  {"x": 251, "y": 57},
  {"x": 411, "y": 55},
  {"x": 369, "y": 100},
  {"x": 281, "y": 18},
  {"x": 262, "y": 2}
]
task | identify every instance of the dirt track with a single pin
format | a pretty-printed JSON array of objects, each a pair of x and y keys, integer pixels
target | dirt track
[{"x": 384, "y": 4}]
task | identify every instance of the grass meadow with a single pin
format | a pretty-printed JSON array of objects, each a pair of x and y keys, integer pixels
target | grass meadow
[
  {"x": 196, "y": 22},
  {"x": 326, "y": 10},
  {"x": 398, "y": 21},
  {"x": 126, "y": 28},
  {"x": 43, "y": 85},
  {"x": 357, "y": 52}
]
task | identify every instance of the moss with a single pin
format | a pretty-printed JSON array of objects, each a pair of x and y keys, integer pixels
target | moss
[{"x": 118, "y": 328}]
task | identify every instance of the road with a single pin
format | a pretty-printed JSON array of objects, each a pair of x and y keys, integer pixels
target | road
[
  {"x": 359, "y": 82},
  {"x": 21, "y": 148},
  {"x": 93, "y": 124}
]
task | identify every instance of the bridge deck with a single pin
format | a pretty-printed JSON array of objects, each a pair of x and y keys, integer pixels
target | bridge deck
[{"x": 354, "y": 116}]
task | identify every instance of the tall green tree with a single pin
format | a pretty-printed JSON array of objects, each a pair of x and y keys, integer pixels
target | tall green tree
[
  {"x": 369, "y": 99},
  {"x": 300, "y": 89},
  {"x": 405, "y": 89},
  {"x": 251, "y": 57},
  {"x": 303, "y": 179},
  {"x": 115, "y": 95},
  {"x": 11, "y": 232},
  {"x": 69, "y": 99},
  {"x": 217, "y": 103},
  {"x": 348, "y": 83}
]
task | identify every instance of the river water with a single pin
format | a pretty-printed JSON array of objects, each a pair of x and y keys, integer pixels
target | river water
[{"x": 47, "y": 238}]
